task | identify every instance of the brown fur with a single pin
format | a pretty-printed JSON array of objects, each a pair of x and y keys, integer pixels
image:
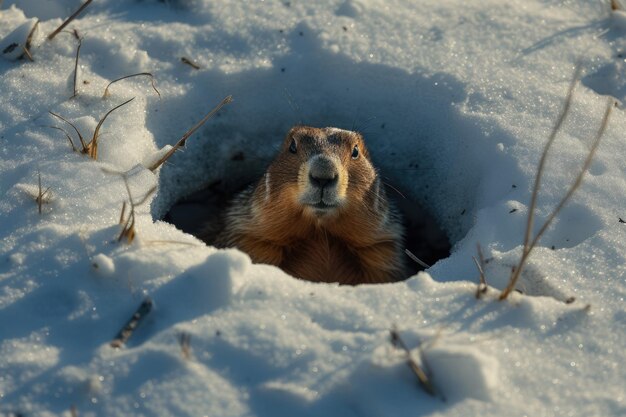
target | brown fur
[{"x": 358, "y": 242}]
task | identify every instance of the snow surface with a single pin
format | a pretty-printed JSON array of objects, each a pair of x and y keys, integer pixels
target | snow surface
[{"x": 455, "y": 99}]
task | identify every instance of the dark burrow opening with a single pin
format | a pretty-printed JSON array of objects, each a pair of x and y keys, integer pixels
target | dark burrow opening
[{"x": 199, "y": 210}]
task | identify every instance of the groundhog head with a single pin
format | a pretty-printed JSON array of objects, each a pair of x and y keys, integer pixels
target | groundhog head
[{"x": 323, "y": 171}]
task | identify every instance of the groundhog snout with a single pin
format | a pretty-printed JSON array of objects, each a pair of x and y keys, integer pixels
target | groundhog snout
[
  {"x": 323, "y": 173},
  {"x": 323, "y": 186}
]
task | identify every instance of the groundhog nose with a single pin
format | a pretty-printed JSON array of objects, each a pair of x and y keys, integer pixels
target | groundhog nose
[
  {"x": 323, "y": 172},
  {"x": 323, "y": 181}
]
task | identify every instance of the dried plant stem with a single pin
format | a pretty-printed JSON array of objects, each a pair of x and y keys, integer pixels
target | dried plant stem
[
  {"x": 529, "y": 246},
  {"x": 184, "y": 340},
  {"x": 123, "y": 213},
  {"x": 69, "y": 138},
  {"x": 92, "y": 147},
  {"x": 128, "y": 228},
  {"x": 127, "y": 331},
  {"x": 420, "y": 373},
  {"x": 480, "y": 265},
  {"x": 106, "y": 90},
  {"x": 80, "y": 137},
  {"x": 68, "y": 20},
  {"x": 80, "y": 42},
  {"x": 189, "y": 62},
  {"x": 544, "y": 156},
  {"x": 29, "y": 40},
  {"x": 190, "y": 132},
  {"x": 41, "y": 194}
]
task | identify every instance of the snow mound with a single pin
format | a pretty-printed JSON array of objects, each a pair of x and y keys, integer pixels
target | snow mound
[{"x": 455, "y": 100}]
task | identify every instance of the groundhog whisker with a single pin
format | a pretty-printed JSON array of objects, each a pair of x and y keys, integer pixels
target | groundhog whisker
[
  {"x": 416, "y": 259},
  {"x": 394, "y": 189}
]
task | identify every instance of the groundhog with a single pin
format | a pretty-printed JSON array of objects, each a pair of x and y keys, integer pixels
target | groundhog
[{"x": 319, "y": 212}]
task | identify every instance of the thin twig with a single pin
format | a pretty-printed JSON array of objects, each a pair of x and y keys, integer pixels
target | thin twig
[
  {"x": 27, "y": 53},
  {"x": 106, "y": 90},
  {"x": 190, "y": 132},
  {"x": 127, "y": 331},
  {"x": 29, "y": 40},
  {"x": 80, "y": 42},
  {"x": 184, "y": 340},
  {"x": 190, "y": 63},
  {"x": 526, "y": 252},
  {"x": 68, "y": 20},
  {"x": 480, "y": 263},
  {"x": 421, "y": 375},
  {"x": 544, "y": 155},
  {"x": 41, "y": 194},
  {"x": 122, "y": 214},
  {"x": 542, "y": 161}
]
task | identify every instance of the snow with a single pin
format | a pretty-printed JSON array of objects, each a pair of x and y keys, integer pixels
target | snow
[{"x": 455, "y": 100}]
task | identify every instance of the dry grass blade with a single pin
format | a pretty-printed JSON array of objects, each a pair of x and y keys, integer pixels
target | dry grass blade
[
  {"x": 416, "y": 259},
  {"x": 127, "y": 331},
  {"x": 528, "y": 249},
  {"x": 145, "y": 197},
  {"x": 123, "y": 213},
  {"x": 27, "y": 54},
  {"x": 190, "y": 132},
  {"x": 80, "y": 137},
  {"x": 421, "y": 375},
  {"x": 69, "y": 138},
  {"x": 106, "y": 90},
  {"x": 29, "y": 41},
  {"x": 41, "y": 194},
  {"x": 184, "y": 340},
  {"x": 80, "y": 43},
  {"x": 128, "y": 229},
  {"x": 480, "y": 265},
  {"x": 544, "y": 156},
  {"x": 92, "y": 147},
  {"x": 540, "y": 168},
  {"x": 189, "y": 62},
  {"x": 68, "y": 20}
]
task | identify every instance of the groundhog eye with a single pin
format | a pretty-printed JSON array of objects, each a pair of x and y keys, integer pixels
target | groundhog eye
[
  {"x": 355, "y": 152},
  {"x": 292, "y": 147}
]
